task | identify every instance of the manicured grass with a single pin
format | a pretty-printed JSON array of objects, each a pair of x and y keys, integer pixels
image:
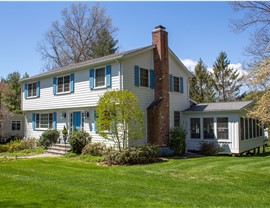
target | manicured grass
[
  {"x": 220, "y": 181},
  {"x": 26, "y": 152}
]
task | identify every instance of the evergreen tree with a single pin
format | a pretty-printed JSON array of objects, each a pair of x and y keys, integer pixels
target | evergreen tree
[
  {"x": 226, "y": 80},
  {"x": 11, "y": 95},
  {"x": 201, "y": 85}
]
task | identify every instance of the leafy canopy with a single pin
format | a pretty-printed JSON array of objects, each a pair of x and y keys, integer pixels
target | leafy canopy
[{"x": 119, "y": 118}]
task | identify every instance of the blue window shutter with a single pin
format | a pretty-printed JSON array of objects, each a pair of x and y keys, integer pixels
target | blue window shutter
[
  {"x": 72, "y": 82},
  {"x": 171, "y": 82},
  {"x": 181, "y": 85},
  {"x": 91, "y": 78},
  {"x": 136, "y": 75},
  {"x": 152, "y": 78},
  {"x": 54, "y": 120},
  {"x": 108, "y": 76},
  {"x": 33, "y": 121},
  {"x": 25, "y": 91},
  {"x": 38, "y": 88},
  {"x": 54, "y": 86}
]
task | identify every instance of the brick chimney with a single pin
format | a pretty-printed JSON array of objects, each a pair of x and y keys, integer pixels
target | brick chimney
[{"x": 158, "y": 111}]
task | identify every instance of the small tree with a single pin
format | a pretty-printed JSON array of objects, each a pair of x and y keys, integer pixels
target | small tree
[{"x": 119, "y": 117}]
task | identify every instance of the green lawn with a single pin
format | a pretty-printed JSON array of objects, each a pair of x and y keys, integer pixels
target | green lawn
[{"x": 220, "y": 181}]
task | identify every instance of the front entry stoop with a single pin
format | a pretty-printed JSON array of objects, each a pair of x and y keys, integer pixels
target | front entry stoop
[{"x": 58, "y": 149}]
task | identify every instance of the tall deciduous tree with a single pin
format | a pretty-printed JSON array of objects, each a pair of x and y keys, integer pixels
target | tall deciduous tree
[
  {"x": 226, "y": 80},
  {"x": 119, "y": 117},
  {"x": 201, "y": 85},
  {"x": 255, "y": 14},
  {"x": 85, "y": 33}
]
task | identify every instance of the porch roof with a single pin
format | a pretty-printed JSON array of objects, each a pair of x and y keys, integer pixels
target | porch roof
[{"x": 220, "y": 106}]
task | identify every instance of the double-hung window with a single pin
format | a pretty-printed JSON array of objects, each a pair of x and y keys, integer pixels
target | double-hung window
[
  {"x": 63, "y": 84},
  {"x": 176, "y": 118},
  {"x": 100, "y": 77},
  {"x": 223, "y": 130},
  {"x": 144, "y": 77},
  {"x": 16, "y": 125},
  {"x": 176, "y": 87},
  {"x": 44, "y": 120},
  {"x": 32, "y": 89}
]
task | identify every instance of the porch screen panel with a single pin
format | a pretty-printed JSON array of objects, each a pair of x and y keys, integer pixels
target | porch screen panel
[
  {"x": 195, "y": 128},
  {"x": 208, "y": 128},
  {"x": 246, "y": 128},
  {"x": 242, "y": 128},
  {"x": 222, "y": 128}
]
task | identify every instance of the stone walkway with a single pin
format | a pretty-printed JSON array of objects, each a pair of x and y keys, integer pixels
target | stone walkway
[{"x": 33, "y": 156}]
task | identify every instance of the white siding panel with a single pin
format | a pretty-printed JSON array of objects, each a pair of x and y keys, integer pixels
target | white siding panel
[
  {"x": 82, "y": 96},
  {"x": 230, "y": 146},
  {"x": 61, "y": 122},
  {"x": 178, "y": 101},
  {"x": 144, "y": 95}
]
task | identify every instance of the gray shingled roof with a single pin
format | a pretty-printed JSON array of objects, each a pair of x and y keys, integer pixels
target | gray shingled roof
[
  {"x": 219, "y": 106},
  {"x": 89, "y": 62}
]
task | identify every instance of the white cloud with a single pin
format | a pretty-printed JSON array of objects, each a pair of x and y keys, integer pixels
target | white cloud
[
  {"x": 239, "y": 68},
  {"x": 189, "y": 63}
]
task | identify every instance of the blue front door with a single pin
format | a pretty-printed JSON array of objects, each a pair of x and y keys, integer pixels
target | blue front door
[{"x": 77, "y": 120}]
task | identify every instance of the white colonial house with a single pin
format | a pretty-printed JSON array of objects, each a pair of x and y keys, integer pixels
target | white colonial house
[{"x": 68, "y": 96}]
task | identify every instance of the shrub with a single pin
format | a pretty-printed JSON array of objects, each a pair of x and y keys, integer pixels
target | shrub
[
  {"x": 132, "y": 155},
  {"x": 209, "y": 149},
  {"x": 4, "y": 148},
  {"x": 29, "y": 143},
  {"x": 95, "y": 149},
  {"x": 15, "y": 146},
  {"x": 77, "y": 140},
  {"x": 48, "y": 137},
  {"x": 178, "y": 140}
]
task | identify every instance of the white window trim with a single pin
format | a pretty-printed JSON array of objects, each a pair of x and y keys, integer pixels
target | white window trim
[
  {"x": 43, "y": 129},
  {"x": 16, "y": 125},
  {"x": 64, "y": 92},
  {"x": 143, "y": 87},
  {"x": 30, "y": 97},
  {"x": 103, "y": 86}
]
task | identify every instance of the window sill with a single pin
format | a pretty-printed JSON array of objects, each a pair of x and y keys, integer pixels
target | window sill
[
  {"x": 99, "y": 88},
  {"x": 142, "y": 87},
  {"x": 32, "y": 97},
  {"x": 63, "y": 93},
  {"x": 40, "y": 129}
]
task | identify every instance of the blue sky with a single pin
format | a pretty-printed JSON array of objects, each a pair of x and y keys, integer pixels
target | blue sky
[{"x": 196, "y": 30}]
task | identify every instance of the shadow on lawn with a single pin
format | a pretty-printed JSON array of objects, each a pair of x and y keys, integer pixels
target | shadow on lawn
[{"x": 21, "y": 205}]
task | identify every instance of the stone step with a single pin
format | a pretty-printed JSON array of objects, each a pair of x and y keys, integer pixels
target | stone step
[
  {"x": 58, "y": 149},
  {"x": 55, "y": 152},
  {"x": 61, "y": 145}
]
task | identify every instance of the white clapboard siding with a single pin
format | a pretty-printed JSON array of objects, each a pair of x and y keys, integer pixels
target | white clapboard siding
[
  {"x": 178, "y": 101},
  {"x": 82, "y": 96},
  {"x": 144, "y": 95}
]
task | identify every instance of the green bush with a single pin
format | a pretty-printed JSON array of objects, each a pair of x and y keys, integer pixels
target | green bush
[
  {"x": 178, "y": 140},
  {"x": 78, "y": 139},
  {"x": 29, "y": 143},
  {"x": 132, "y": 155},
  {"x": 209, "y": 149},
  {"x": 4, "y": 148},
  {"x": 95, "y": 149},
  {"x": 15, "y": 146},
  {"x": 48, "y": 137}
]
